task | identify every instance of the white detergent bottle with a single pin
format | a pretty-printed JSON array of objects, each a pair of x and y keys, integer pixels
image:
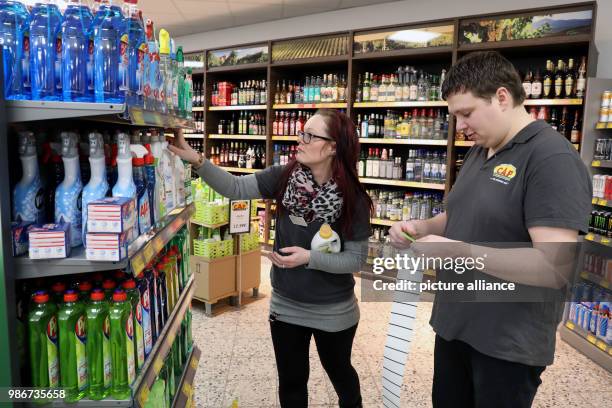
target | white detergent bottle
[
  {"x": 125, "y": 186},
  {"x": 68, "y": 193},
  {"x": 28, "y": 195},
  {"x": 326, "y": 240},
  {"x": 179, "y": 178},
  {"x": 167, "y": 168},
  {"x": 97, "y": 187},
  {"x": 160, "y": 186}
]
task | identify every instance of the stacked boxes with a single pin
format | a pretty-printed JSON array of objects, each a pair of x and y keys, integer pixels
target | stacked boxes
[{"x": 111, "y": 226}]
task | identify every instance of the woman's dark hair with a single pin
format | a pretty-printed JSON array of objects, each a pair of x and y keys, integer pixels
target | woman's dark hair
[
  {"x": 344, "y": 168},
  {"x": 482, "y": 73}
]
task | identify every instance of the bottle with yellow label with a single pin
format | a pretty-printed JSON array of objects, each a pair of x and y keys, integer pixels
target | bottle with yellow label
[{"x": 326, "y": 240}]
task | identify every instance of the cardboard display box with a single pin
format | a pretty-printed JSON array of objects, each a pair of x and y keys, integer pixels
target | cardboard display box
[
  {"x": 214, "y": 278},
  {"x": 250, "y": 263}
]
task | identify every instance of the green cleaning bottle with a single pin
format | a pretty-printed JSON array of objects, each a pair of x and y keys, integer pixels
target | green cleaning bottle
[
  {"x": 72, "y": 324},
  {"x": 122, "y": 346},
  {"x": 129, "y": 286},
  {"x": 98, "y": 346},
  {"x": 42, "y": 332}
]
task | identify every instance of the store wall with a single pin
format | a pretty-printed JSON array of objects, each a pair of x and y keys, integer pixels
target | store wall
[{"x": 393, "y": 13}]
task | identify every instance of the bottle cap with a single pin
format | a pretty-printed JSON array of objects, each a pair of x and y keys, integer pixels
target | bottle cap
[
  {"x": 109, "y": 284},
  {"x": 97, "y": 294},
  {"x": 129, "y": 284},
  {"x": 58, "y": 287},
  {"x": 164, "y": 42},
  {"x": 138, "y": 161},
  {"x": 85, "y": 286},
  {"x": 325, "y": 231},
  {"x": 41, "y": 297},
  {"x": 71, "y": 296},
  {"x": 119, "y": 296}
]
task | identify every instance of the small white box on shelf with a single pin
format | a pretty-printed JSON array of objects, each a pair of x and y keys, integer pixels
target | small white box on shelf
[
  {"x": 107, "y": 247},
  {"x": 49, "y": 241},
  {"x": 111, "y": 214}
]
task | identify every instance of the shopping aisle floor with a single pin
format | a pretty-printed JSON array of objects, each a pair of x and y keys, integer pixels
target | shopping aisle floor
[{"x": 238, "y": 361}]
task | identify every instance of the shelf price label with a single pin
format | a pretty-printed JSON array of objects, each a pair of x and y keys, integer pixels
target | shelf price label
[
  {"x": 589, "y": 237},
  {"x": 170, "y": 339},
  {"x": 601, "y": 345},
  {"x": 187, "y": 389},
  {"x": 609, "y": 125},
  {"x": 605, "y": 241},
  {"x": 603, "y": 202},
  {"x": 143, "y": 396},
  {"x": 157, "y": 365},
  {"x": 600, "y": 125},
  {"x": 596, "y": 163},
  {"x": 591, "y": 339},
  {"x": 149, "y": 253},
  {"x": 137, "y": 264},
  {"x": 194, "y": 363},
  {"x": 570, "y": 325},
  {"x": 584, "y": 275}
]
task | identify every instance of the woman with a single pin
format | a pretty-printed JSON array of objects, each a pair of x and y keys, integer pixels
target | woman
[{"x": 312, "y": 292}]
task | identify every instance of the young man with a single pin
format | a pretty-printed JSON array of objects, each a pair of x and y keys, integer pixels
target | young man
[{"x": 522, "y": 182}]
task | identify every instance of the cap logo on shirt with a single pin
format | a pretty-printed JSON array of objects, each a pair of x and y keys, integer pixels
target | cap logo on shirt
[{"x": 503, "y": 173}]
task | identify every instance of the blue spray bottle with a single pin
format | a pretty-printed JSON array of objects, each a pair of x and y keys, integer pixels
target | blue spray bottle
[
  {"x": 45, "y": 61},
  {"x": 107, "y": 26},
  {"x": 125, "y": 186},
  {"x": 98, "y": 186},
  {"x": 143, "y": 205},
  {"x": 68, "y": 193},
  {"x": 137, "y": 52},
  {"x": 28, "y": 195},
  {"x": 75, "y": 52},
  {"x": 14, "y": 40}
]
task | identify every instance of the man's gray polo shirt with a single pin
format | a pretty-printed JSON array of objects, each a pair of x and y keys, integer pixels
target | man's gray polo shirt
[{"x": 537, "y": 179}]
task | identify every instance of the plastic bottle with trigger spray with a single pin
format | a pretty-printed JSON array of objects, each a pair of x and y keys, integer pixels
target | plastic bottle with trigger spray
[
  {"x": 28, "y": 195},
  {"x": 125, "y": 186},
  {"x": 68, "y": 193},
  {"x": 98, "y": 185},
  {"x": 168, "y": 171}
]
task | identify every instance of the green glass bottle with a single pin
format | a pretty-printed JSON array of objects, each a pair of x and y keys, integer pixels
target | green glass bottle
[
  {"x": 121, "y": 346},
  {"x": 43, "y": 338},
  {"x": 98, "y": 346}
]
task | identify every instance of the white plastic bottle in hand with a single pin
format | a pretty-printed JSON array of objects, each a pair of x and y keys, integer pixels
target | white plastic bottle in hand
[{"x": 326, "y": 240}]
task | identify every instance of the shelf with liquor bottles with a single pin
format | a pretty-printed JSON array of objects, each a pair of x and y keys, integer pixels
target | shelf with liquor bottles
[
  {"x": 418, "y": 168},
  {"x": 252, "y": 92},
  {"x": 403, "y": 87},
  {"x": 283, "y": 154},
  {"x": 289, "y": 123},
  {"x": 238, "y": 156},
  {"x": 399, "y": 205},
  {"x": 417, "y": 126},
  {"x": 565, "y": 120},
  {"x": 199, "y": 93},
  {"x": 246, "y": 123},
  {"x": 311, "y": 89},
  {"x": 197, "y": 145},
  {"x": 198, "y": 124}
]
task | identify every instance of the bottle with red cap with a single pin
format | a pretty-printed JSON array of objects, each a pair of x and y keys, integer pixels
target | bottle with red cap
[
  {"x": 85, "y": 288},
  {"x": 72, "y": 323},
  {"x": 142, "y": 195},
  {"x": 98, "y": 345},
  {"x": 129, "y": 286},
  {"x": 58, "y": 289},
  {"x": 43, "y": 341},
  {"x": 109, "y": 286},
  {"x": 122, "y": 346}
]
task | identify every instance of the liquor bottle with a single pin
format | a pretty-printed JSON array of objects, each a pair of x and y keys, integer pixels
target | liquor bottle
[
  {"x": 277, "y": 94},
  {"x": 366, "y": 88},
  {"x": 442, "y": 79},
  {"x": 548, "y": 80},
  {"x": 374, "y": 88},
  {"x": 527, "y": 83},
  {"x": 382, "y": 89},
  {"x": 359, "y": 91},
  {"x": 553, "y": 120},
  {"x": 286, "y": 123},
  {"x": 316, "y": 92},
  {"x": 559, "y": 78},
  {"x": 406, "y": 84},
  {"x": 581, "y": 79},
  {"x": 575, "y": 135},
  {"x": 536, "y": 86}
]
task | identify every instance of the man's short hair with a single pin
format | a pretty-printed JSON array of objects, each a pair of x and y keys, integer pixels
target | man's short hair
[{"x": 482, "y": 73}]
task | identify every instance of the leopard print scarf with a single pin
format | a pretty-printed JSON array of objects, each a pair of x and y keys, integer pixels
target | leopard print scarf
[{"x": 304, "y": 198}]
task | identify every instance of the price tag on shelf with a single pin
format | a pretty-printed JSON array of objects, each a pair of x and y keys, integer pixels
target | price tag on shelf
[
  {"x": 143, "y": 396},
  {"x": 610, "y": 351},
  {"x": 605, "y": 241},
  {"x": 158, "y": 244},
  {"x": 609, "y": 125},
  {"x": 170, "y": 338},
  {"x": 187, "y": 389},
  {"x": 157, "y": 365},
  {"x": 194, "y": 363},
  {"x": 570, "y": 325},
  {"x": 594, "y": 200},
  {"x": 589, "y": 237},
  {"x": 584, "y": 275},
  {"x": 601, "y": 345},
  {"x": 600, "y": 125},
  {"x": 603, "y": 202},
  {"x": 596, "y": 163},
  {"x": 591, "y": 339},
  {"x": 148, "y": 252},
  {"x": 137, "y": 264}
]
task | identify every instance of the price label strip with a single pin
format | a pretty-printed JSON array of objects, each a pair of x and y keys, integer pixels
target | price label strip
[{"x": 399, "y": 337}]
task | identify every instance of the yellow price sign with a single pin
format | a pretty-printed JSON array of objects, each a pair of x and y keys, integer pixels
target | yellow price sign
[
  {"x": 194, "y": 363},
  {"x": 600, "y": 125},
  {"x": 601, "y": 345},
  {"x": 170, "y": 339},
  {"x": 148, "y": 252},
  {"x": 594, "y": 200},
  {"x": 187, "y": 389},
  {"x": 137, "y": 265},
  {"x": 591, "y": 339},
  {"x": 157, "y": 365},
  {"x": 609, "y": 125},
  {"x": 143, "y": 397},
  {"x": 605, "y": 241},
  {"x": 603, "y": 202},
  {"x": 158, "y": 244},
  {"x": 589, "y": 237},
  {"x": 596, "y": 163},
  {"x": 570, "y": 325},
  {"x": 610, "y": 351}
]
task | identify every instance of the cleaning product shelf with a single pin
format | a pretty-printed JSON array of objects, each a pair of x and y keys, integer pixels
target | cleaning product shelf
[
  {"x": 140, "y": 252},
  {"x": 185, "y": 386}
]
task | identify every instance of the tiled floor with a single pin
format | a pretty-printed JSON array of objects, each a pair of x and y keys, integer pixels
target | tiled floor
[{"x": 238, "y": 361}]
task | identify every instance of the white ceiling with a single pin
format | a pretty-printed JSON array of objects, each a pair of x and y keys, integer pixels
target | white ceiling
[{"x": 181, "y": 17}]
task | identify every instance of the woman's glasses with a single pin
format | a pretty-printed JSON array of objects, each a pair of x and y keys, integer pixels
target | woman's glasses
[{"x": 307, "y": 137}]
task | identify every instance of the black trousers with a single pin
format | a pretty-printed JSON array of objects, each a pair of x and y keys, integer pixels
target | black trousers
[
  {"x": 464, "y": 377},
  {"x": 291, "y": 348}
]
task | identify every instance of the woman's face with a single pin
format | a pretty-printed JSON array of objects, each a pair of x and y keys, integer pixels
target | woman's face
[{"x": 320, "y": 149}]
